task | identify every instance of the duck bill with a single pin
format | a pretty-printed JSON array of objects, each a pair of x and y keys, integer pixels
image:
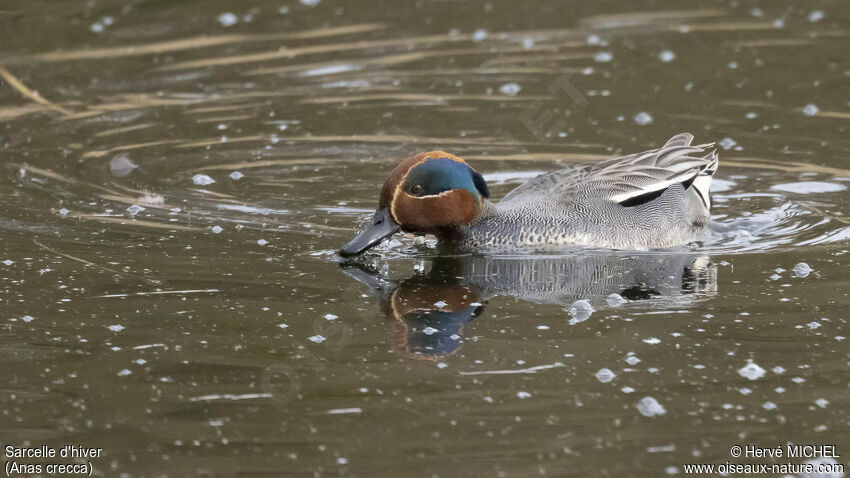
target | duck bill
[{"x": 381, "y": 228}]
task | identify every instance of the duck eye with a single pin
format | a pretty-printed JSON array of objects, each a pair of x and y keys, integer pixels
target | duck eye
[{"x": 416, "y": 189}]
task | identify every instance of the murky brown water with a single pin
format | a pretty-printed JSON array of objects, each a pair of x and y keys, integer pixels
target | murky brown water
[{"x": 191, "y": 327}]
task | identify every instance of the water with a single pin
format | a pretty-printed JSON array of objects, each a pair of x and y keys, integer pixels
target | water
[{"x": 174, "y": 195}]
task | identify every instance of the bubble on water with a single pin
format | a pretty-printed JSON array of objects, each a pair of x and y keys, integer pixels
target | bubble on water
[
  {"x": 116, "y": 328},
  {"x": 816, "y": 16},
  {"x": 523, "y": 395},
  {"x": 202, "y": 180},
  {"x": 331, "y": 316},
  {"x": 810, "y": 110},
  {"x": 751, "y": 115},
  {"x": 822, "y": 402},
  {"x": 809, "y": 187},
  {"x": 124, "y": 373},
  {"x": 813, "y": 325},
  {"x": 768, "y": 406},
  {"x": 216, "y": 229},
  {"x": 649, "y": 407},
  {"x": 283, "y": 10},
  {"x": 652, "y": 341},
  {"x": 134, "y": 209},
  {"x": 27, "y": 318},
  {"x": 236, "y": 175},
  {"x": 732, "y": 65},
  {"x": 510, "y": 89},
  {"x": 802, "y": 270},
  {"x": 643, "y": 118},
  {"x": 309, "y": 3},
  {"x": 97, "y": 27},
  {"x": 798, "y": 380},
  {"x": 830, "y": 466},
  {"x": 527, "y": 43},
  {"x": 283, "y": 325},
  {"x": 63, "y": 212},
  {"x": 227, "y": 19},
  {"x": 751, "y": 371},
  {"x": 666, "y": 56},
  {"x": 605, "y": 375},
  {"x": 778, "y": 370},
  {"x": 121, "y": 166},
  {"x": 779, "y": 23},
  {"x": 603, "y": 57},
  {"x": 429, "y": 331},
  {"x": 100, "y": 26},
  {"x": 440, "y": 304},
  {"x": 479, "y": 35},
  {"x": 615, "y": 300},
  {"x": 316, "y": 339},
  {"x": 580, "y": 311},
  {"x": 8, "y": 262},
  {"x": 632, "y": 360},
  {"x": 627, "y": 389},
  {"x": 727, "y": 143},
  {"x": 757, "y": 12},
  {"x": 152, "y": 199},
  {"x": 594, "y": 39}
]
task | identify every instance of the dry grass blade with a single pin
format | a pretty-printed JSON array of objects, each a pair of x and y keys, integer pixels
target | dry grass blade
[
  {"x": 787, "y": 166},
  {"x": 156, "y": 292},
  {"x": 12, "y": 112},
  {"x": 127, "y": 147},
  {"x": 184, "y": 44},
  {"x": 18, "y": 85},
  {"x": 168, "y": 226},
  {"x": 265, "y": 164},
  {"x": 289, "y": 53},
  {"x": 617, "y": 20},
  {"x": 92, "y": 264},
  {"x": 126, "y": 129}
]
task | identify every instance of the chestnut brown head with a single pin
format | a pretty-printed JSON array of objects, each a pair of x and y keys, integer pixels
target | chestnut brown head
[{"x": 426, "y": 193}]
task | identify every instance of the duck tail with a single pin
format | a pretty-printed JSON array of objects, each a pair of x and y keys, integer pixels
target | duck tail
[{"x": 702, "y": 183}]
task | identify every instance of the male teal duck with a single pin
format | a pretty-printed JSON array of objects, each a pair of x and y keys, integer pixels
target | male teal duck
[{"x": 655, "y": 199}]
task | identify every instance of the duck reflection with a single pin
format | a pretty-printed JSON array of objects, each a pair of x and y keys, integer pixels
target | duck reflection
[{"x": 428, "y": 311}]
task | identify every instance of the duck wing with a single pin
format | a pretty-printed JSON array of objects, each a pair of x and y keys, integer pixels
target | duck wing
[{"x": 627, "y": 180}]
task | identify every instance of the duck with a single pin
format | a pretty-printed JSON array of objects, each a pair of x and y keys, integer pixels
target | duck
[{"x": 650, "y": 200}]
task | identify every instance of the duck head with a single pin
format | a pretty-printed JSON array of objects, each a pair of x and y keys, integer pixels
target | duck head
[{"x": 427, "y": 193}]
